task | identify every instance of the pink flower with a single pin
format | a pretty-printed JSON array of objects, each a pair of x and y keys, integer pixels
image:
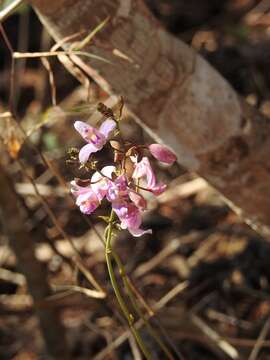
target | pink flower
[
  {"x": 77, "y": 190},
  {"x": 162, "y": 153},
  {"x": 130, "y": 218},
  {"x": 119, "y": 191},
  {"x": 86, "y": 198},
  {"x": 144, "y": 170},
  {"x": 137, "y": 199},
  {"x": 95, "y": 138},
  {"x": 101, "y": 181},
  {"x": 126, "y": 202},
  {"x": 88, "y": 202}
]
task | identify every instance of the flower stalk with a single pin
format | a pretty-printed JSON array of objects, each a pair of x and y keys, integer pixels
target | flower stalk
[
  {"x": 137, "y": 309},
  {"x": 128, "y": 315},
  {"x": 121, "y": 187}
]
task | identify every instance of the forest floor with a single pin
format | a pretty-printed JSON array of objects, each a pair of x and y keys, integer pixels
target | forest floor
[{"x": 204, "y": 272}]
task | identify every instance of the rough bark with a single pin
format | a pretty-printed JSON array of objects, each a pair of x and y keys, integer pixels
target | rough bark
[
  {"x": 11, "y": 218},
  {"x": 177, "y": 95}
]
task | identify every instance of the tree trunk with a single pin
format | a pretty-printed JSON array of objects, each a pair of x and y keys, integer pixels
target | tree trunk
[
  {"x": 177, "y": 95},
  {"x": 21, "y": 243}
]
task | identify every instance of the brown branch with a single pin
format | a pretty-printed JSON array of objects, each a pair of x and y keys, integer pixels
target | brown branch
[{"x": 176, "y": 95}]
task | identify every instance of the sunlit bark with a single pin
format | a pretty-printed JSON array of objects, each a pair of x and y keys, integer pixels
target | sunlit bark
[{"x": 177, "y": 95}]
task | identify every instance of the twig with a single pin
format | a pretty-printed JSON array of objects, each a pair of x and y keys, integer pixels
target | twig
[
  {"x": 80, "y": 45},
  {"x": 8, "y": 10},
  {"x": 66, "y": 39},
  {"x": 33, "y": 55},
  {"x": 218, "y": 316},
  {"x": 134, "y": 349},
  {"x": 22, "y": 46},
  {"x": 165, "y": 252},
  {"x": 74, "y": 288},
  {"x": 179, "y": 335},
  {"x": 69, "y": 64},
  {"x": 219, "y": 341},
  {"x": 257, "y": 347},
  {"x": 48, "y": 67}
]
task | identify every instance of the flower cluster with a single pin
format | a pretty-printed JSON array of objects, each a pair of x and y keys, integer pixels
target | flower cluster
[{"x": 114, "y": 183}]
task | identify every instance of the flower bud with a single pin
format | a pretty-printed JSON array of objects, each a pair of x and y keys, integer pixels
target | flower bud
[{"x": 162, "y": 153}]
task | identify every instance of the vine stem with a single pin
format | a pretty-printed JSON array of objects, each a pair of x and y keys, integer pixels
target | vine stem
[{"x": 120, "y": 299}]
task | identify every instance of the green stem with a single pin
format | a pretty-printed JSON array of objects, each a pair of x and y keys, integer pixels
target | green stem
[
  {"x": 120, "y": 299},
  {"x": 129, "y": 291},
  {"x": 131, "y": 296}
]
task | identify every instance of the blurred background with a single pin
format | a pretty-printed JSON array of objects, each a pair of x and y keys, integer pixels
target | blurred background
[{"x": 203, "y": 270}]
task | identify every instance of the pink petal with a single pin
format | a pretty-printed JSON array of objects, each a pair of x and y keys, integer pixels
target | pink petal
[
  {"x": 83, "y": 128},
  {"x": 120, "y": 208},
  {"x": 87, "y": 202},
  {"x": 77, "y": 190},
  {"x": 139, "y": 232},
  {"x": 139, "y": 170},
  {"x": 101, "y": 188},
  {"x": 137, "y": 199},
  {"x": 85, "y": 152},
  {"x": 107, "y": 127},
  {"x": 158, "y": 189},
  {"x": 128, "y": 213},
  {"x": 101, "y": 184},
  {"x": 133, "y": 218},
  {"x": 144, "y": 169},
  {"x": 162, "y": 153},
  {"x": 108, "y": 170},
  {"x": 90, "y": 134},
  {"x": 118, "y": 189},
  {"x": 130, "y": 218}
]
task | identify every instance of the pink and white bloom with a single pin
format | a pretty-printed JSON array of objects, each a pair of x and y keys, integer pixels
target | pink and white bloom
[
  {"x": 162, "y": 153},
  {"x": 143, "y": 170},
  {"x": 86, "y": 198},
  {"x": 130, "y": 217},
  {"x": 88, "y": 202},
  {"x": 101, "y": 181},
  {"x": 137, "y": 199},
  {"x": 96, "y": 138},
  {"x": 115, "y": 183},
  {"x": 126, "y": 202},
  {"x": 119, "y": 191}
]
